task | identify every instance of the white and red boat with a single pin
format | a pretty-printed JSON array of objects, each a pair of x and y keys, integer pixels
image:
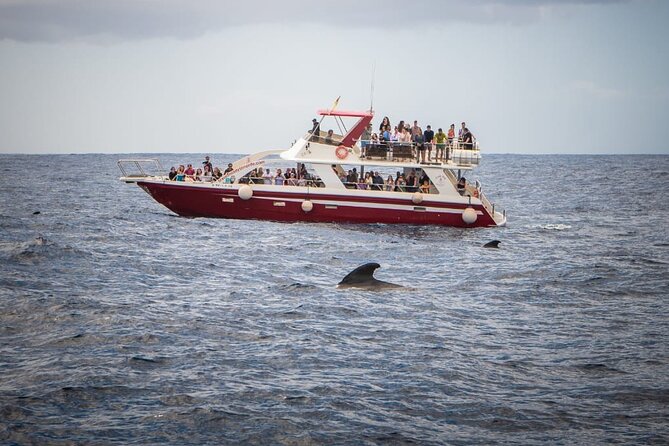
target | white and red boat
[{"x": 323, "y": 194}]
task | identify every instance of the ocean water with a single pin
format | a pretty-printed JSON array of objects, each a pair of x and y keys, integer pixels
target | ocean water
[{"x": 121, "y": 323}]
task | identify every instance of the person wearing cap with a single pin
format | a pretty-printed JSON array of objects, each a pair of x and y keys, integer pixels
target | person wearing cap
[
  {"x": 315, "y": 129},
  {"x": 228, "y": 170}
]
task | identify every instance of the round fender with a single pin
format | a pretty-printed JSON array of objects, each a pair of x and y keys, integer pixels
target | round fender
[
  {"x": 469, "y": 216},
  {"x": 417, "y": 198},
  {"x": 307, "y": 206},
  {"x": 341, "y": 152},
  {"x": 245, "y": 192}
]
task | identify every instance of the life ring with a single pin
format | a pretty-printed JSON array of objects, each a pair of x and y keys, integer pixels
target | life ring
[{"x": 341, "y": 152}]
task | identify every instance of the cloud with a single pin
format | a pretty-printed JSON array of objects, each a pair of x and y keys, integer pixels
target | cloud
[{"x": 63, "y": 20}]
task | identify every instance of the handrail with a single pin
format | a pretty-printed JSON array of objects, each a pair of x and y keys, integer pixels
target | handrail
[{"x": 138, "y": 164}]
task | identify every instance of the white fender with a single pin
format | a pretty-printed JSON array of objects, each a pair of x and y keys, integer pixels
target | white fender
[
  {"x": 417, "y": 198},
  {"x": 245, "y": 192},
  {"x": 469, "y": 216},
  {"x": 307, "y": 206}
]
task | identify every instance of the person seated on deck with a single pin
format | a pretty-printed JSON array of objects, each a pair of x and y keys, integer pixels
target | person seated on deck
[
  {"x": 440, "y": 140},
  {"x": 377, "y": 180},
  {"x": 173, "y": 173},
  {"x": 425, "y": 187},
  {"x": 292, "y": 180},
  {"x": 389, "y": 184},
  {"x": 217, "y": 174},
  {"x": 198, "y": 175},
  {"x": 267, "y": 177},
  {"x": 462, "y": 185},
  {"x": 278, "y": 178},
  {"x": 329, "y": 138},
  {"x": 229, "y": 169},
  {"x": 181, "y": 173},
  {"x": 206, "y": 173},
  {"x": 400, "y": 184},
  {"x": 411, "y": 182},
  {"x": 190, "y": 172}
]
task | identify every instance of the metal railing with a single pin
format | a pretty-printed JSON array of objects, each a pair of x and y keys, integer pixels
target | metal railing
[
  {"x": 399, "y": 151},
  {"x": 134, "y": 167}
]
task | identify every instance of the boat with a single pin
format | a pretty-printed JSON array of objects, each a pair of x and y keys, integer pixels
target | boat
[{"x": 323, "y": 189}]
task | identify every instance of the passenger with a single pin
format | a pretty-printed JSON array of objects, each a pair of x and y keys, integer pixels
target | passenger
[
  {"x": 181, "y": 173},
  {"x": 425, "y": 187},
  {"x": 206, "y": 163},
  {"x": 315, "y": 129},
  {"x": 173, "y": 173},
  {"x": 278, "y": 178},
  {"x": 462, "y": 185},
  {"x": 329, "y": 138},
  {"x": 461, "y": 131},
  {"x": 303, "y": 171},
  {"x": 198, "y": 175},
  {"x": 229, "y": 169},
  {"x": 411, "y": 183},
  {"x": 190, "y": 172},
  {"x": 365, "y": 139},
  {"x": 206, "y": 173},
  {"x": 451, "y": 137},
  {"x": 390, "y": 183},
  {"x": 384, "y": 123},
  {"x": 292, "y": 180},
  {"x": 377, "y": 179},
  {"x": 418, "y": 139},
  {"x": 267, "y": 177},
  {"x": 400, "y": 184},
  {"x": 400, "y": 126},
  {"x": 428, "y": 136},
  {"x": 468, "y": 139},
  {"x": 217, "y": 174},
  {"x": 440, "y": 140}
]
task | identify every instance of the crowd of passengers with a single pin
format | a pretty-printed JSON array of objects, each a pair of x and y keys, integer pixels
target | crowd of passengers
[
  {"x": 374, "y": 181},
  {"x": 301, "y": 177},
  {"x": 414, "y": 137}
]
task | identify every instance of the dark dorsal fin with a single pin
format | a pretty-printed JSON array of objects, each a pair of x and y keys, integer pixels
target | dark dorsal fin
[
  {"x": 362, "y": 273},
  {"x": 492, "y": 244}
]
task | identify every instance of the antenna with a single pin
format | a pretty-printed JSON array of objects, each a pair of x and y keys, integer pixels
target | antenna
[{"x": 371, "y": 93}]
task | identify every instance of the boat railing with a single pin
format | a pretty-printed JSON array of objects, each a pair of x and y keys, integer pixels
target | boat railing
[
  {"x": 141, "y": 167},
  {"x": 460, "y": 153}
]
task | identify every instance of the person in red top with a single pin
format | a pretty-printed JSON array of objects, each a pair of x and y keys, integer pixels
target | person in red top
[{"x": 451, "y": 137}]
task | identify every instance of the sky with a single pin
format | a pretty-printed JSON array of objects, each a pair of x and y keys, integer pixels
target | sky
[{"x": 131, "y": 76}]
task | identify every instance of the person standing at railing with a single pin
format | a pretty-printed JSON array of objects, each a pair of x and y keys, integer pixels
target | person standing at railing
[
  {"x": 451, "y": 137},
  {"x": 468, "y": 139},
  {"x": 428, "y": 136},
  {"x": 315, "y": 129},
  {"x": 329, "y": 138},
  {"x": 461, "y": 131},
  {"x": 365, "y": 139},
  {"x": 440, "y": 140},
  {"x": 417, "y": 138}
]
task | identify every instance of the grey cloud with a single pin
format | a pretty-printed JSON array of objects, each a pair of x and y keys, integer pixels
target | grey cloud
[{"x": 62, "y": 20}]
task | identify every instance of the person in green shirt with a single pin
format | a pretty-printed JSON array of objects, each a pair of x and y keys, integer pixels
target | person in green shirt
[{"x": 440, "y": 140}]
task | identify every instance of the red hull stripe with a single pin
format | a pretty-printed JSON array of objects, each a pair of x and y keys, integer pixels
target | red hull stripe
[{"x": 280, "y": 206}]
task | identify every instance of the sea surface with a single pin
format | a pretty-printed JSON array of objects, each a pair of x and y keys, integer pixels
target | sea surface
[{"x": 122, "y": 323}]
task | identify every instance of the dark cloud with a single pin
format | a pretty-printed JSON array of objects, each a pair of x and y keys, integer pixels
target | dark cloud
[{"x": 61, "y": 20}]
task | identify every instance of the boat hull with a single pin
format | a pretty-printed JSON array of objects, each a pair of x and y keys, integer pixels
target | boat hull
[{"x": 286, "y": 204}]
